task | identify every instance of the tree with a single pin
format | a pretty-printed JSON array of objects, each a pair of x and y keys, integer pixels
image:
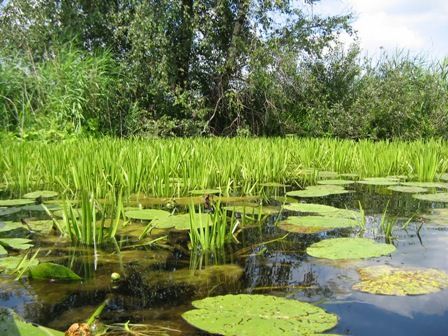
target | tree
[{"x": 194, "y": 63}]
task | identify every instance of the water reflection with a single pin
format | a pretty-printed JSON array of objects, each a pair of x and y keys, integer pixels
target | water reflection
[{"x": 161, "y": 283}]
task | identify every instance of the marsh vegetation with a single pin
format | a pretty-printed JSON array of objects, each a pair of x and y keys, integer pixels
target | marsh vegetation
[{"x": 136, "y": 198}]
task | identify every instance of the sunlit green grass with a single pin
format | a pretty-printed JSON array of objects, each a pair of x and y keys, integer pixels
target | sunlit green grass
[{"x": 172, "y": 167}]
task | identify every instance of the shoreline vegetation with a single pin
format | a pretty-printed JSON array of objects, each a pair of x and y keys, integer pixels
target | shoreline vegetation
[
  {"x": 226, "y": 68},
  {"x": 177, "y": 166}
]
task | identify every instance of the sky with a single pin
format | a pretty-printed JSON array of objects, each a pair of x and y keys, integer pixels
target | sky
[{"x": 420, "y": 27}]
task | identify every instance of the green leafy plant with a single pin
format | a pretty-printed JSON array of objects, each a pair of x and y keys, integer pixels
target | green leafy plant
[
  {"x": 93, "y": 223},
  {"x": 211, "y": 233}
]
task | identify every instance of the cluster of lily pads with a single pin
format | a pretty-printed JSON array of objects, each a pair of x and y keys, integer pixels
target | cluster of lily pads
[
  {"x": 262, "y": 313},
  {"x": 279, "y": 316}
]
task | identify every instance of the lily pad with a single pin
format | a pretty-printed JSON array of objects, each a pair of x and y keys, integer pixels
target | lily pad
[
  {"x": 380, "y": 181},
  {"x": 46, "y": 271},
  {"x": 349, "y": 248},
  {"x": 181, "y": 222},
  {"x": 13, "y": 325},
  {"x": 11, "y": 263},
  {"x": 15, "y": 202},
  {"x": 8, "y": 229},
  {"x": 335, "y": 182},
  {"x": 41, "y": 226},
  {"x": 314, "y": 224},
  {"x": 387, "y": 280},
  {"x": 262, "y": 315},
  {"x": 60, "y": 213},
  {"x": 352, "y": 176},
  {"x": 321, "y": 209},
  {"x": 16, "y": 243},
  {"x": 205, "y": 192},
  {"x": 439, "y": 197},
  {"x": 426, "y": 184},
  {"x": 168, "y": 202},
  {"x": 45, "y": 194},
  {"x": 407, "y": 189},
  {"x": 318, "y": 191},
  {"x": 39, "y": 207},
  {"x": 327, "y": 174},
  {"x": 146, "y": 214},
  {"x": 9, "y": 211},
  {"x": 398, "y": 177},
  {"x": 252, "y": 209}
]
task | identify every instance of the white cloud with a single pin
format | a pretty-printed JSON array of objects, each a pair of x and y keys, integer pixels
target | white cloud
[{"x": 415, "y": 25}]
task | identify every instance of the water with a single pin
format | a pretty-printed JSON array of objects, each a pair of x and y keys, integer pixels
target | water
[{"x": 160, "y": 283}]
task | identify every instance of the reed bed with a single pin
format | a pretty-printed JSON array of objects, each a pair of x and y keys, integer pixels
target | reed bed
[{"x": 173, "y": 167}]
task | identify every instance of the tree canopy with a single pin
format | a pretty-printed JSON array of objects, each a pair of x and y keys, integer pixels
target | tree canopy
[{"x": 184, "y": 67}]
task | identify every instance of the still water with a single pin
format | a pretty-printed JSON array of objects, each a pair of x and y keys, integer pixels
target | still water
[{"x": 159, "y": 283}]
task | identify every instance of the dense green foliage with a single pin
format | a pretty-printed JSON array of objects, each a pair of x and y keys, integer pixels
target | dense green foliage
[
  {"x": 174, "y": 167},
  {"x": 233, "y": 67}
]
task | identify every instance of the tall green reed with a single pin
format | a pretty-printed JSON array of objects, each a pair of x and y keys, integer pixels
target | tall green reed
[
  {"x": 211, "y": 234},
  {"x": 173, "y": 167},
  {"x": 93, "y": 223}
]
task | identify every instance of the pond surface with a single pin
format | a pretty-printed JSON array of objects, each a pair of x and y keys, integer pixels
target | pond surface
[{"x": 159, "y": 283}]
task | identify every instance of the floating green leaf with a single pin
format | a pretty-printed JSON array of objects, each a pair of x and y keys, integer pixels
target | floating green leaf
[
  {"x": 9, "y": 211},
  {"x": 181, "y": 222},
  {"x": 387, "y": 280},
  {"x": 426, "y": 184},
  {"x": 45, "y": 194},
  {"x": 407, "y": 189},
  {"x": 439, "y": 197},
  {"x": 60, "y": 213},
  {"x": 205, "y": 192},
  {"x": 349, "y": 176},
  {"x": 147, "y": 214},
  {"x": 318, "y": 191},
  {"x": 335, "y": 182},
  {"x": 39, "y": 207},
  {"x": 11, "y": 229},
  {"x": 380, "y": 181},
  {"x": 313, "y": 224},
  {"x": 397, "y": 177},
  {"x": 11, "y": 263},
  {"x": 41, "y": 226},
  {"x": 349, "y": 248},
  {"x": 16, "y": 243},
  {"x": 261, "y": 315},
  {"x": 252, "y": 209},
  {"x": 15, "y": 202},
  {"x": 13, "y": 325},
  {"x": 327, "y": 174},
  {"x": 47, "y": 271},
  {"x": 307, "y": 171},
  {"x": 321, "y": 209}
]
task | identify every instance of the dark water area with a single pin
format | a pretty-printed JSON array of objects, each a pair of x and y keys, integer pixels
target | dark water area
[{"x": 159, "y": 284}]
